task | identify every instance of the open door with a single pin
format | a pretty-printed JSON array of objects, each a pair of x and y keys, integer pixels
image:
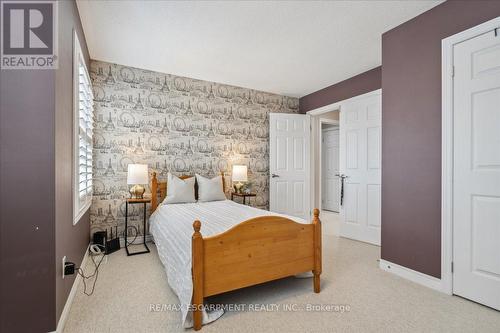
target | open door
[
  {"x": 360, "y": 168},
  {"x": 289, "y": 157}
]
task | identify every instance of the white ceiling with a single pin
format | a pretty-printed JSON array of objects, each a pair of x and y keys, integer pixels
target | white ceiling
[{"x": 286, "y": 47}]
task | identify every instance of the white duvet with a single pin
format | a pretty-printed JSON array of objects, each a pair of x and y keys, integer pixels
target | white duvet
[{"x": 172, "y": 227}]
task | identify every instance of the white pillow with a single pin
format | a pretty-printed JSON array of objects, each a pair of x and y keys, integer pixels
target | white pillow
[
  {"x": 210, "y": 189},
  {"x": 179, "y": 190}
]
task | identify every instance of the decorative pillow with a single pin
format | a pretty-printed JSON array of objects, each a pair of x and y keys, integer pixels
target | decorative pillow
[
  {"x": 210, "y": 189},
  {"x": 179, "y": 190}
]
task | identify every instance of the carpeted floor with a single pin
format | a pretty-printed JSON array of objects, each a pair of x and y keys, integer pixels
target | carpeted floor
[{"x": 377, "y": 301}]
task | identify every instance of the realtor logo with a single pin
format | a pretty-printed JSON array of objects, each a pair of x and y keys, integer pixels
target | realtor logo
[{"x": 29, "y": 34}]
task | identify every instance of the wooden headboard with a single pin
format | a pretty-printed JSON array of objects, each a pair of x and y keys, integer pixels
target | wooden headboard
[{"x": 159, "y": 189}]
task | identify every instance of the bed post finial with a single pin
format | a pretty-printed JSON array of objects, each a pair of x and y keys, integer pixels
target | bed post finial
[
  {"x": 154, "y": 192},
  {"x": 197, "y": 272},
  {"x": 317, "y": 250},
  {"x": 197, "y": 226}
]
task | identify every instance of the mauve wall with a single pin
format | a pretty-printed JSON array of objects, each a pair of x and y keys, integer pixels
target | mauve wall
[
  {"x": 71, "y": 240},
  {"x": 357, "y": 85},
  {"x": 411, "y": 123},
  {"x": 27, "y": 201},
  {"x": 36, "y": 227}
]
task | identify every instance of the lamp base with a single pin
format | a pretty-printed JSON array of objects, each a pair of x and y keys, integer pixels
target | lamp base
[
  {"x": 238, "y": 187},
  {"x": 137, "y": 192}
]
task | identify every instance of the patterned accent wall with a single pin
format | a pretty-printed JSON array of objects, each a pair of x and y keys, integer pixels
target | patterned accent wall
[{"x": 174, "y": 124}]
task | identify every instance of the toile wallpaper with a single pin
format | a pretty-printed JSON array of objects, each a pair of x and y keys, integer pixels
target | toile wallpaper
[{"x": 174, "y": 124}]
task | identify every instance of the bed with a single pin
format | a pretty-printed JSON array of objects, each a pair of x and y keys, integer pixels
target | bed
[{"x": 214, "y": 247}]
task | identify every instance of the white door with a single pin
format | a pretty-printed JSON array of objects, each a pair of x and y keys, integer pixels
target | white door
[
  {"x": 476, "y": 165},
  {"x": 289, "y": 140},
  {"x": 360, "y": 162},
  {"x": 330, "y": 183}
]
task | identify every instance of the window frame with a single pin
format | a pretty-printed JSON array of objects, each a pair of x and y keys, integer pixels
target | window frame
[{"x": 79, "y": 207}]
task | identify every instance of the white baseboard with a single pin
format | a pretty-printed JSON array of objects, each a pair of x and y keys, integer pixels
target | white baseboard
[
  {"x": 410, "y": 274},
  {"x": 71, "y": 296}
]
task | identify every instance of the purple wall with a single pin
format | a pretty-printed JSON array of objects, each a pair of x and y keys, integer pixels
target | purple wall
[
  {"x": 411, "y": 123},
  {"x": 357, "y": 85},
  {"x": 27, "y": 201},
  {"x": 35, "y": 194}
]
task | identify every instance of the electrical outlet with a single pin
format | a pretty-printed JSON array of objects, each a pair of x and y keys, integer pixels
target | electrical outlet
[{"x": 63, "y": 265}]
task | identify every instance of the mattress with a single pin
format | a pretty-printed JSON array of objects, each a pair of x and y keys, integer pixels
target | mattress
[{"x": 172, "y": 227}]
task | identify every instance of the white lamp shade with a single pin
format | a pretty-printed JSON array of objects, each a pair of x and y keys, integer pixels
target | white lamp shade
[
  {"x": 137, "y": 174},
  {"x": 240, "y": 173}
]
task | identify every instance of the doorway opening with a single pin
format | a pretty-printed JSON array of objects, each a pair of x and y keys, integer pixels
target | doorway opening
[
  {"x": 326, "y": 150},
  {"x": 330, "y": 189}
]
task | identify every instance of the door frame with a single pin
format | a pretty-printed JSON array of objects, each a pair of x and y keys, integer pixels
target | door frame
[
  {"x": 320, "y": 153},
  {"x": 447, "y": 45},
  {"x": 336, "y": 106}
]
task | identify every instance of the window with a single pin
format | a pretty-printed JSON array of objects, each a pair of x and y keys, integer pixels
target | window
[{"x": 83, "y": 127}]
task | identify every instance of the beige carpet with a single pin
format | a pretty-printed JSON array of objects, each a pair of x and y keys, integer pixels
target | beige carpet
[{"x": 378, "y": 301}]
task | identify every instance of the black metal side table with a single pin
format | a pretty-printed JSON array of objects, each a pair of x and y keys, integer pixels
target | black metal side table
[{"x": 131, "y": 202}]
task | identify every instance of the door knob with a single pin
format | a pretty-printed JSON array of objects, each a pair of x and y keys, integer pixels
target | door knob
[{"x": 274, "y": 176}]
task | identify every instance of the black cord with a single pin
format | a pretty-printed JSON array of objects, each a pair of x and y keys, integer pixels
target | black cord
[
  {"x": 97, "y": 265},
  {"x": 135, "y": 236},
  {"x": 96, "y": 274}
]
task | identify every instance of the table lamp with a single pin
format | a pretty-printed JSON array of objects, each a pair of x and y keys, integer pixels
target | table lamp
[
  {"x": 137, "y": 175},
  {"x": 239, "y": 175}
]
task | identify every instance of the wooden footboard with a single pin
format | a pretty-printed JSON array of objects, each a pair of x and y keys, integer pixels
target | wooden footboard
[{"x": 255, "y": 251}]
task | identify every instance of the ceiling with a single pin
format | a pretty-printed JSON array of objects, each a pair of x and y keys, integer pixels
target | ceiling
[{"x": 286, "y": 47}]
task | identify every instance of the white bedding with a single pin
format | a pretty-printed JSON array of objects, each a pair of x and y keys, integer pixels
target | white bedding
[{"x": 172, "y": 228}]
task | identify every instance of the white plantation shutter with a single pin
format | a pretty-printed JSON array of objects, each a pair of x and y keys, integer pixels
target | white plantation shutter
[{"x": 83, "y": 129}]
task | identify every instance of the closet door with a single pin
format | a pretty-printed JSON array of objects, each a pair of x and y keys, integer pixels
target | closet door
[{"x": 476, "y": 169}]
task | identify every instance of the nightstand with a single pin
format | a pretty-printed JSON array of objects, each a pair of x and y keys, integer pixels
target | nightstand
[
  {"x": 133, "y": 202},
  {"x": 243, "y": 195}
]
